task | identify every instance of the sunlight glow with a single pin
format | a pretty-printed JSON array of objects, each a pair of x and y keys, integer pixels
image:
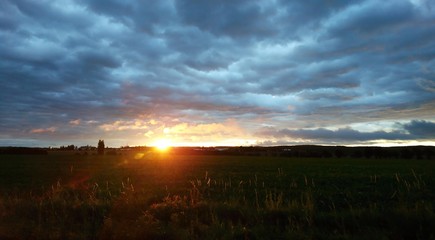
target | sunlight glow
[{"x": 162, "y": 144}]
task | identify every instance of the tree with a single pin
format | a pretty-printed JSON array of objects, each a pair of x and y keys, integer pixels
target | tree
[{"x": 100, "y": 148}]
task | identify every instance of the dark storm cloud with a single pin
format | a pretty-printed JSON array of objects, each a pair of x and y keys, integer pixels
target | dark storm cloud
[
  {"x": 372, "y": 18},
  {"x": 339, "y": 135},
  {"x": 229, "y": 18},
  {"x": 421, "y": 129},
  {"x": 416, "y": 130},
  {"x": 300, "y": 63},
  {"x": 144, "y": 16}
]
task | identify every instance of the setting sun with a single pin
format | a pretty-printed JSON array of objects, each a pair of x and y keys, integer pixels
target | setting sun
[{"x": 162, "y": 144}]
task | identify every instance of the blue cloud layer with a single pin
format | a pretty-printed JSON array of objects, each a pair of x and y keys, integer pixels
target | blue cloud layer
[{"x": 289, "y": 64}]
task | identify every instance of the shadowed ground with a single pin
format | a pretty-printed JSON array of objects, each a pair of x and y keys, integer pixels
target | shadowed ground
[{"x": 155, "y": 195}]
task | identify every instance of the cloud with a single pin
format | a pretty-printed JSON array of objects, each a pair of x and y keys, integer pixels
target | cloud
[
  {"x": 75, "y": 122},
  {"x": 339, "y": 135},
  {"x": 228, "y": 128},
  {"x": 44, "y": 130},
  {"x": 302, "y": 66},
  {"x": 371, "y": 17},
  {"x": 122, "y": 125},
  {"x": 415, "y": 130},
  {"x": 421, "y": 129},
  {"x": 227, "y": 18},
  {"x": 427, "y": 85}
]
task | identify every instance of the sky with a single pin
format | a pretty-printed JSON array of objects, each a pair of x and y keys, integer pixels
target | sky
[{"x": 217, "y": 73}]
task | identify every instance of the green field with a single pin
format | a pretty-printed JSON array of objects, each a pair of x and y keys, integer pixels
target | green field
[{"x": 153, "y": 195}]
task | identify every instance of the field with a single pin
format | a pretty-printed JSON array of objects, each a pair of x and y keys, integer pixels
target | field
[{"x": 152, "y": 195}]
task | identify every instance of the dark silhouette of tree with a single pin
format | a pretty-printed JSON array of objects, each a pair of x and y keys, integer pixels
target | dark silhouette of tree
[
  {"x": 326, "y": 154},
  {"x": 100, "y": 148},
  {"x": 23, "y": 150},
  {"x": 368, "y": 152},
  {"x": 339, "y": 153},
  {"x": 406, "y": 153},
  {"x": 428, "y": 153},
  {"x": 69, "y": 147}
]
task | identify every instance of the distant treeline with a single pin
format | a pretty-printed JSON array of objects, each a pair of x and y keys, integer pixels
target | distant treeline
[
  {"x": 411, "y": 152},
  {"x": 302, "y": 151},
  {"x": 23, "y": 150},
  {"x": 314, "y": 151}
]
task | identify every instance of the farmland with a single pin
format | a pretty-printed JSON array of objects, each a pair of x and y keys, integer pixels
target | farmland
[{"x": 156, "y": 195}]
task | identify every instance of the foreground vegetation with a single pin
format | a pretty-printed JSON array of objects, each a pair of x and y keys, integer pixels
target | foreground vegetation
[{"x": 151, "y": 195}]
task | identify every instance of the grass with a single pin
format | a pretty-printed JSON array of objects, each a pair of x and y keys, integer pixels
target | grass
[{"x": 164, "y": 196}]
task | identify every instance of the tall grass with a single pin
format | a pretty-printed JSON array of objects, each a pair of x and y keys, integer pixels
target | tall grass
[{"x": 215, "y": 204}]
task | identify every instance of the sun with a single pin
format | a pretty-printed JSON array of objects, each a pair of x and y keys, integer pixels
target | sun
[{"x": 162, "y": 144}]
